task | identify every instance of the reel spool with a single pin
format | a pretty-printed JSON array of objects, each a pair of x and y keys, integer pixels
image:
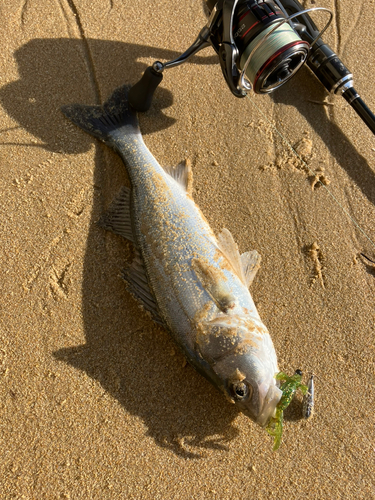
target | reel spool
[
  {"x": 266, "y": 49},
  {"x": 277, "y": 51}
]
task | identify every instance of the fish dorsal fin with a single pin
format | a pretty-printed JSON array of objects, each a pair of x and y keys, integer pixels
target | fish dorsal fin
[
  {"x": 182, "y": 174},
  {"x": 137, "y": 284},
  {"x": 250, "y": 262},
  {"x": 214, "y": 282},
  {"x": 117, "y": 219},
  {"x": 229, "y": 248}
]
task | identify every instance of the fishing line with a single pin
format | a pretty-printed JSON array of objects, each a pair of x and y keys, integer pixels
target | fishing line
[
  {"x": 286, "y": 141},
  {"x": 320, "y": 379},
  {"x": 21, "y": 144},
  {"x": 8, "y": 129},
  {"x": 338, "y": 403},
  {"x": 357, "y": 429},
  {"x": 322, "y": 446},
  {"x": 262, "y": 55}
]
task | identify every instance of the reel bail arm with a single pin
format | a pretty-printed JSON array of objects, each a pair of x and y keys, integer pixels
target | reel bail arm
[
  {"x": 141, "y": 94},
  {"x": 228, "y": 51}
]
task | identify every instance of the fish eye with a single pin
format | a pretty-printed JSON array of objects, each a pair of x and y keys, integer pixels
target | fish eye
[{"x": 241, "y": 390}]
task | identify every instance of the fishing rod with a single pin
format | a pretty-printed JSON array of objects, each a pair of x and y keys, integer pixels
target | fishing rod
[{"x": 261, "y": 45}]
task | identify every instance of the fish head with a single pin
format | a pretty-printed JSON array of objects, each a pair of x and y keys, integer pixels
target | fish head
[{"x": 241, "y": 355}]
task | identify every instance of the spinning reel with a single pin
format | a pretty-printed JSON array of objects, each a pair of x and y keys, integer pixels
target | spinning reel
[{"x": 261, "y": 44}]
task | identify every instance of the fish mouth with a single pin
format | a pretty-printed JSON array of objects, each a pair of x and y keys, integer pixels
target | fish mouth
[{"x": 270, "y": 401}]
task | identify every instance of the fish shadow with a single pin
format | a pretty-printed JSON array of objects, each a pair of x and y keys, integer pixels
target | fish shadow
[
  {"x": 132, "y": 358},
  {"x": 299, "y": 92},
  {"x": 136, "y": 362}
]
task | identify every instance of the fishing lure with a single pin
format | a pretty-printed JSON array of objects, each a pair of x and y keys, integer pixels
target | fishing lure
[
  {"x": 308, "y": 399},
  {"x": 289, "y": 387}
]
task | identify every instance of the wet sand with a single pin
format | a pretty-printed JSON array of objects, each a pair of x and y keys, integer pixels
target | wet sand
[{"x": 96, "y": 402}]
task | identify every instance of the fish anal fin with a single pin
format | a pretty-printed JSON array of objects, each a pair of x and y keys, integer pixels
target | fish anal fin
[
  {"x": 183, "y": 175},
  {"x": 250, "y": 262},
  {"x": 137, "y": 284},
  {"x": 213, "y": 281},
  {"x": 229, "y": 249},
  {"x": 117, "y": 219}
]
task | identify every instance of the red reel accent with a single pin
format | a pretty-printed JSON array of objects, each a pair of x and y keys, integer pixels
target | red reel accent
[{"x": 274, "y": 56}]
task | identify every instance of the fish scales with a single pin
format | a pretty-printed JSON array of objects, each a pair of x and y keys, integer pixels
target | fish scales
[
  {"x": 197, "y": 283},
  {"x": 161, "y": 206}
]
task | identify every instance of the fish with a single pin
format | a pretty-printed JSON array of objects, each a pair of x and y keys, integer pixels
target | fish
[
  {"x": 193, "y": 283},
  {"x": 308, "y": 399}
]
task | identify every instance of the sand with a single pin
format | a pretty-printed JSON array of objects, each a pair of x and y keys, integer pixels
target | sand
[{"x": 96, "y": 402}]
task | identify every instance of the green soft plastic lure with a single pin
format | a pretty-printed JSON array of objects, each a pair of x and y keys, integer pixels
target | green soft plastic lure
[{"x": 289, "y": 387}]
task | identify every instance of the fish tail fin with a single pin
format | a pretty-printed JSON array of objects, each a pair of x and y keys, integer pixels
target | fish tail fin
[{"x": 109, "y": 122}]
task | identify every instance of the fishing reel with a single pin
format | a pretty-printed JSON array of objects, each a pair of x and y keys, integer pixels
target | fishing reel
[{"x": 261, "y": 44}]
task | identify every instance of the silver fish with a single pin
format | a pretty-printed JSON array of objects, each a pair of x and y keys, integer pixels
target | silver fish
[
  {"x": 308, "y": 399},
  {"x": 190, "y": 281}
]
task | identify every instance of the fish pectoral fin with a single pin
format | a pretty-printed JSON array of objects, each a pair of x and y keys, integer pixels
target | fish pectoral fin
[
  {"x": 117, "y": 219},
  {"x": 250, "y": 262},
  {"x": 213, "y": 281},
  {"x": 214, "y": 343},
  {"x": 137, "y": 284},
  {"x": 229, "y": 249},
  {"x": 182, "y": 174}
]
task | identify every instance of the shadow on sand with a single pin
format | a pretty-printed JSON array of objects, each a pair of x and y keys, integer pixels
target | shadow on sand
[
  {"x": 296, "y": 93},
  {"x": 125, "y": 351}
]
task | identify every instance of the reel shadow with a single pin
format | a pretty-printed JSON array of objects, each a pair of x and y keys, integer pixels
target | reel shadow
[
  {"x": 295, "y": 94},
  {"x": 56, "y": 72},
  {"x": 124, "y": 351}
]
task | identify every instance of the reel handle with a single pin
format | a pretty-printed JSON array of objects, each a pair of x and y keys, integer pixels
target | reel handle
[{"x": 141, "y": 94}]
